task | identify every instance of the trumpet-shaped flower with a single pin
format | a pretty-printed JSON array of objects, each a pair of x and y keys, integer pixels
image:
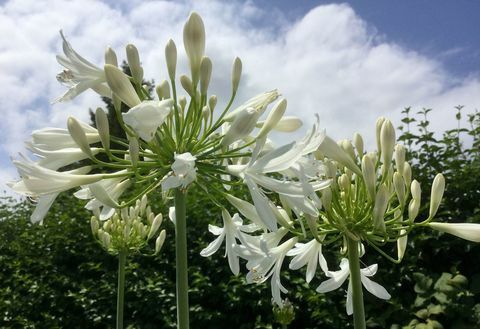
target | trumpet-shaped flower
[
  {"x": 79, "y": 74},
  {"x": 54, "y": 139},
  {"x": 146, "y": 117},
  {"x": 337, "y": 278},
  {"x": 183, "y": 172},
  {"x": 265, "y": 258},
  {"x": 232, "y": 230},
  {"x": 309, "y": 254}
]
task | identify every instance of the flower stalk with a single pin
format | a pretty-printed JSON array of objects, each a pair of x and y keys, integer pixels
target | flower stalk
[
  {"x": 181, "y": 259},
  {"x": 122, "y": 259},
  {"x": 356, "y": 283}
]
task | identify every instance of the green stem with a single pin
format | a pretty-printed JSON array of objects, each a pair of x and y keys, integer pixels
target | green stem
[
  {"x": 181, "y": 260},
  {"x": 356, "y": 283},
  {"x": 122, "y": 258}
]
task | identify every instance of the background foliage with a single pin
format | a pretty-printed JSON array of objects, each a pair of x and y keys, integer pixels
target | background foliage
[{"x": 56, "y": 276}]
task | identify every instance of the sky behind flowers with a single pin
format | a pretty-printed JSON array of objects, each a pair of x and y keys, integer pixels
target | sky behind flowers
[{"x": 342, "y": 61}]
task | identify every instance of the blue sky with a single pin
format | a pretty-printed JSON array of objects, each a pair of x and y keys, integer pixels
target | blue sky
[
  {"x": 350, "y": 62},
  {"x": 446, "y": 30}
]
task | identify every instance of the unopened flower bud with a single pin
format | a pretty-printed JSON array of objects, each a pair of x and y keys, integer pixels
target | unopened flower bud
[
  {"x": 407, "y": 174},
  {"x": 344, "y": 182},
  {"x": 273, "y": 118},
  {"x": 358, "y": 142},
  {"x": 205, "y": 112},
  {"x": 78, "y": 135},
  {"x": 163, "y": 90},
  {"x": 121, "y": 85},
  {"x": 467, "y": 231},
  {"x": 110, "y": 57},
  {"x": 134, "y": 151},
  {"x": 399, "y": 186},
  {"x": 94, "y": 225},
  {"x": 159, "y": 241},
  {"x": 348, "y": 148},
  {"x": 413, "y": 209},
  {"x": 187, "y": 85},
  {"x": 205, "y": 74},
  {"x": 378, "y": 128},
  {"x": 381, "y": 204},
  {"x": 402, "y": 244},
  {"x": 416, "y": 190},
  {"x": 155, "y": 225},
  {"x": 242, "y": 125},
  {"x": 438, "y": 187},
  {"x": 288, "y": 124},
  {"x": 101, "y": 121},
  {"x": 134, "y": 63},
  {"x": 194, "y": 42},
  {"x": 368, "y": 171},
  {"x": 212, "y": 102},
  {"x": 236, "y": 74},
  {"x": 400, "y": 158},
  {"x": 326, "y": 198},
  {"x": 335, "y": 152},
  {"x": 171, "y": 58},
  {"x": 387, "y": 137},
  {"x": 182, "y": 101}
]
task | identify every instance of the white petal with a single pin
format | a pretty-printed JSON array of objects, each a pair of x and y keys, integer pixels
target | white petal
[
  {"x": 213, "y": 246},
  {"x": 374, "y": 288},
  {"x": 43, "y": 205}
]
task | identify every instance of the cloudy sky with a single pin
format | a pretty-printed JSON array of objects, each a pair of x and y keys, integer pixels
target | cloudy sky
[{"x": 348, "y": 62}]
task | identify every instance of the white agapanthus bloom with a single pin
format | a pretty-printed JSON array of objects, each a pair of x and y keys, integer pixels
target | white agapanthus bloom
[
  {"x": 183, "y": 172},
  {"x": 309, "y": 254},
  {"x": 231, "y": 231},
  {"x": 337, "y": 278},
  {"x": 79, "y": 74},
  {"x": 265, "y": 257},
  {"x": 146, "y": 117}
]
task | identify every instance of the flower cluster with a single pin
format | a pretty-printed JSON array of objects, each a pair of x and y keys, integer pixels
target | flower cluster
[
  {"x": 168, "y": 142},
  {"x": 371, "y": 200}
]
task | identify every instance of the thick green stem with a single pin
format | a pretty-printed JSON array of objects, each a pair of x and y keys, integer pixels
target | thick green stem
[
  {"x": 356, "y": 284},
  {"x": 181, "y": 260},
  {"x": 122, "y": 259}
]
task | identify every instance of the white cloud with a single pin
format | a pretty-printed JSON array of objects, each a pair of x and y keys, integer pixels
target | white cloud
[{"x": 329, "y": 62}]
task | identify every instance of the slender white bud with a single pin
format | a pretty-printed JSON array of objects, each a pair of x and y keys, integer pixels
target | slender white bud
[
  {"x": 416, "y": 190},
  {"x": 413, "y": 209},
  {"x": 110, "y": 57},
  {"x": 344, "y": 182},
  {"x": 407, "y": 174},
  {"x": 194, "y": 42},
  {"x": 381, "y": 204},
  {"x": 94, "y": 225},
  {"x": 348, "y": 148},
  {"x": 358, "y": 142},
  {"x": 134, "y": 63},
  {"x": 400, "y": 158},
  {"x": 438, "y": 187},
  {"x": 402, "y": 244},
  {"x": 134, "y": 151},
  {"x": 236, "y": 74},
  {"x": 288, "y": 124},
  {"x": 205, "y": 113},
  {"x": 159, "y": 241},
  {"x": 378, "y": 128},
  {"x": 205, "y": 74},
  {"x": 163, "y": 90},
  {"x": 335, "y": 152},
  {"x": 187, "y": 85},
  {"x": 387, "y": 137},
  {"x": 121, "y": 85},
  {"x": 467, "y": 231},
  {"x": 155, "y": 225},
  {"x": 326, "y": 198},
  {"x": 171, "y": 58},
  {"x": 212, "y": 102},
  {"x": 242, "y": 125},
  {"x": 101, "y": 121},
  {"x": 78, "y": 135},
  {"x": 368, "y": 171},
  {"x": 399, "y": 186},
  {"x": 273, "y": 118}
]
